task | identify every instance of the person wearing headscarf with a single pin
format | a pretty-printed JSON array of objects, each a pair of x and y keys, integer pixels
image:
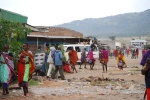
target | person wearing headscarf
[
  {"x": 50, "y": 60},
  {"x": 120, "y": 60},
  {"x": 6, "y": 69},
  {"x": 25, "y": 68},
  {"x": 73, "y": 57}
]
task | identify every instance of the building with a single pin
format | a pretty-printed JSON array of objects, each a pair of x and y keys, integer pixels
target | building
[
  {"x": 109, "y": 43},
  {"x": 41, "y": 35},
  {"x": 138, "y": 43},
  {"x": 47, "y": 36},
  {"x": 11, "y": 16}
]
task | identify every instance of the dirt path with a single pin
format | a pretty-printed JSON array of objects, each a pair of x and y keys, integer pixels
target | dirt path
[{"x": 127, "y": 84}]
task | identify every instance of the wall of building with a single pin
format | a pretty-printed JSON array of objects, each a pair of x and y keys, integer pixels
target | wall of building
[{"x": 11, "y": 16}]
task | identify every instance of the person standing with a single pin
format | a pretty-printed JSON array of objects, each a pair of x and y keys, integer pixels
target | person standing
[
  {"x": 6, "y": 69},
  {"x": 116, "y": 53},
  {"x": 25, "y": 68},
  {"x": 120, "y": 60},
  {"x": 147, "y": 76},
  {"x": 144, "y": 51},
  {"x": 50, "y": 60},
  {"x": 137, "y": 52},
  {"x": 91, "y": 59},
  {"x": 45, "y": 65},
  {"x": 58, "y": 57},
  {"x": 127, "y": 51},
  {"x": 83, "y": 58},
  {"x": 104, "y": 59},
  {"x": 73, "y": 57},
  {"x": 111, "y": 53},
  {"x": 133, "y": 54},
  {"x": 92, "y": 44}
]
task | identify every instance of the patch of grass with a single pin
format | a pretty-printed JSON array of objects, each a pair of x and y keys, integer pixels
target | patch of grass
[
  {"x": 134, "y": 70},
  {"x": 33, "y": 83},
  {"x": 111, "y": 82}
]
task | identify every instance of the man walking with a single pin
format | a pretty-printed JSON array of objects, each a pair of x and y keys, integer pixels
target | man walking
[
  {"x": 50, "y": 60},
  {"x": 58, "y": 56}
]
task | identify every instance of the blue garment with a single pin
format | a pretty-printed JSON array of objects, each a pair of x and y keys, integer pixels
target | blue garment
[
  {"x": 58, "y": 56},
  {"x": 4, "y": 72},
  {"x": 143, "y": 61},
  {"x": 52, "y": 55},
  {"x": 45, "y": 64}
]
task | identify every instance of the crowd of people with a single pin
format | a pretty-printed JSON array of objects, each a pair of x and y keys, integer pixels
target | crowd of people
[
  {"x": 55, "y": 62},
  {"x": 25, "y": 68},
  {"x": 134, "y": 52}
]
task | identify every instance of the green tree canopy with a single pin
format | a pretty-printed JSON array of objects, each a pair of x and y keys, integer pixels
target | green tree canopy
[
  {"x": 112, "y": 37},
  {"x": 12, "y": 33}
]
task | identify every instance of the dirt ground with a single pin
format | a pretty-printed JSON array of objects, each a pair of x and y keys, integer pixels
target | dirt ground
[{"x": 126, "y": 84}]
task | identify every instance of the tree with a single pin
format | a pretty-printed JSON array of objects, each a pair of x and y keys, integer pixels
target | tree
[
  {"x": 147, "y": 46},
  {"x": 12, "y": 33},
  {"x": 112, "y": 37}
]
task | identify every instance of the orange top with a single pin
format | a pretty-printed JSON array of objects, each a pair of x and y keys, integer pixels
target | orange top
[{"x": 73, "y": 57}]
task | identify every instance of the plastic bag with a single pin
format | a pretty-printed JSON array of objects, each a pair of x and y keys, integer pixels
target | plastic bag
[
  {"x": 90, "y": 61},
  {"x": 120, "y": 63}
]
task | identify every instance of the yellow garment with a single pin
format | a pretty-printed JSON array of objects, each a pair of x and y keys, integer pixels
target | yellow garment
[{"x": 120, "y": 57}]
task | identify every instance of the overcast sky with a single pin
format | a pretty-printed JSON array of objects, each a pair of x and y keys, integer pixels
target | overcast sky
[{"x": 54, "y": 12}]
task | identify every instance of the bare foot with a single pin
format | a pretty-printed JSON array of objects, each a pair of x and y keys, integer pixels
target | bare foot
[{"x": 27, "y": 94}]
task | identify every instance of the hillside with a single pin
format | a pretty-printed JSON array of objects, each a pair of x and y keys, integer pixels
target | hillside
[{"x": 129, "y": 24}]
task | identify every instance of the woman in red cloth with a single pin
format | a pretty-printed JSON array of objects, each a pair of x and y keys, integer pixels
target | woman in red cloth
[
  {"x": 6, "y": 69},
  {"x": 91, "y": 60},
  {"x": 104, "y": 59},
  {"x": 73, "y": 57},
  {"x": 25, "y": 68},
  {"x": 66, "y": 68},
  {"x": 116, "y": 53}
]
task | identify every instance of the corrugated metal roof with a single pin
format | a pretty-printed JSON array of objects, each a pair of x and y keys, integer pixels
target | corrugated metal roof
[
  {"x": 138, "y": 41},
  {"x": 50, "y": 36},
  {"x": 56, "y": 31}
]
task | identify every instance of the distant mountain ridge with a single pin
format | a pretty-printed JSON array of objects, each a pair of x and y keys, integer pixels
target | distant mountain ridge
[{"x": 122, "y": 25}]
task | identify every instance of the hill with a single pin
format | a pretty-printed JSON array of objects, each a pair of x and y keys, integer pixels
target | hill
[{"x": 122, "y": 25}]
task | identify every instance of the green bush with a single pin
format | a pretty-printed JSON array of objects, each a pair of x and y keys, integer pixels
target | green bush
[
  {"x": 13, "y": 34},
  {"x": 147, "y": 46},
  {"x": 63, "y": 52}
]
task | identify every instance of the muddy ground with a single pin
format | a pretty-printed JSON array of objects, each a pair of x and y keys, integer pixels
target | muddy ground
[{"x": 126, "y": 84}]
